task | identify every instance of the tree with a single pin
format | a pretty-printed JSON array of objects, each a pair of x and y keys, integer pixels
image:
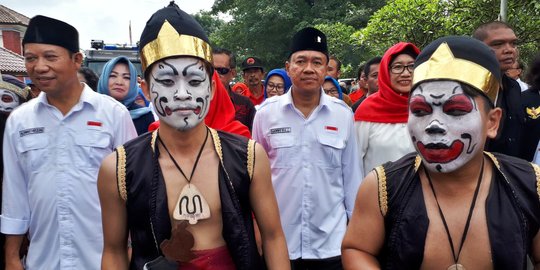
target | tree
[
  {"x": 265, "y": 28},
  {"x": 422, "y": 21}
]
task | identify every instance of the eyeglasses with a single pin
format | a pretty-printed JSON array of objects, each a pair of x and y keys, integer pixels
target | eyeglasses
[
  {"x": 222, "y": 70},
  {"x": 331, "y": 91},
  {"x": 277, "y": 87},
  {"x": 398, "y": 69}
]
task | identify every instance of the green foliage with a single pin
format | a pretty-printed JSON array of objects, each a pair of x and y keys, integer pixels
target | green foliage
[
  {"x": 265, "y": 28},
  {"x": 422, "y": 21}
]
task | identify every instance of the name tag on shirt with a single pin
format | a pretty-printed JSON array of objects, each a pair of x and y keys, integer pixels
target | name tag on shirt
[
  {"x": 30, "y": 131},
  {"x": 280, "y": 130}
]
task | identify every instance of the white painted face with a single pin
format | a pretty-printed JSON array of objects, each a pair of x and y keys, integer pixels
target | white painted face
[
  {"x": 9, "y": 101},
  {"x": 180, "y": 89},
  {"x": 445, "y": 125}
]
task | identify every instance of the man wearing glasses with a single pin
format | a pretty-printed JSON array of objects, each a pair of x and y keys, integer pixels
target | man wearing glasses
[{"x": 224, "y": 63}]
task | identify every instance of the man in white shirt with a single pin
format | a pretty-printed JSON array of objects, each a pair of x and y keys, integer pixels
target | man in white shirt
[
  {"x": 309, "y": 138},
  {"x": 53, "y": 147}
]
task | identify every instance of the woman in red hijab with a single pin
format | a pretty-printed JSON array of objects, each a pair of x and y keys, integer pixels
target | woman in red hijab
[
  {"x": 221, "y": 113},
  {"x": 381, "y": 120}
]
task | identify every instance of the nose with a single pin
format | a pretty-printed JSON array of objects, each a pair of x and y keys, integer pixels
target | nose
[
  {"x": 40, "y": 66},
  {"x": 434, "y": 128},
  {"x": 182, "y": 94}
]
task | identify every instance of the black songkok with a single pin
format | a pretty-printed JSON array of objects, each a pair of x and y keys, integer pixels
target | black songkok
[
  {"x": 172, "y": 32},
  {"x": 47, "y": 30},
  {"x": 462, "y": 59},
  {"x": 309, "y": 39}
]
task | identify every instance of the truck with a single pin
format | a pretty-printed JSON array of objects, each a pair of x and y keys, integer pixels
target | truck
[{"x": 100, "y": 53}]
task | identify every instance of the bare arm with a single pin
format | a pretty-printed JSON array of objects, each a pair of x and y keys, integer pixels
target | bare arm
[
  {"x": 536, "y": 251},
  {"x": 113, "y": 211},
  {"x": 12, "y": 247},
  {"x": 365, "y": 233},
  {"x": 266, "y": 212}
]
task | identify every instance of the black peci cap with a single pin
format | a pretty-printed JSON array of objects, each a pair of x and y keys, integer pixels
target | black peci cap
[
  {"x": 45, "y": 30},
  {"x": 309, "y": 39}
]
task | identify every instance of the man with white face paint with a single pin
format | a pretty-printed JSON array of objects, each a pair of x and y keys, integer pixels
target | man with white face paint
[
  {"x": 449, "y": 205},
  {"x": 186, "y": 193},
  {"x": 12, "y": 93}
]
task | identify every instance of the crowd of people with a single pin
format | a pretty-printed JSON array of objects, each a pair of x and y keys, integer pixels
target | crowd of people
[{"x": 429, "y": 162}]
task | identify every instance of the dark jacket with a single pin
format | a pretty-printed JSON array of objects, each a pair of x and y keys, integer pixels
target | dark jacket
[
  {"x": 148, "y": 216},
  {"x": 512, "y": 212},
  {"x": 529, "y": 138},
  {"x": 513, "y": 118}
]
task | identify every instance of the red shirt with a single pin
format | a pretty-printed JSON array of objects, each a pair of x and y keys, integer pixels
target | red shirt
[
  {"x": 255, "y": 100},
  {"x": 356, "y": 95}
]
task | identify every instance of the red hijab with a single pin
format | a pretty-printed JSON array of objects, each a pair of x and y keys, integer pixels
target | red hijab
[
  {"x": 386, "y": 105},
  {"x": 221, "y": 113}
]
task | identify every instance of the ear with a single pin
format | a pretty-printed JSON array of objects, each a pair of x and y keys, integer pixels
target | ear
[
  {"x": 78, "y": 59},
  {"x": 145, "y": 90},
  {"x": 493, "y": 122},
  {"x": 287, "y": 65},
  {"x": 233, "y": 72}
]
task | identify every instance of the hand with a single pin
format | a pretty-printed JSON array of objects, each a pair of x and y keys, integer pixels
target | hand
[{"x": 178, "y": 248}]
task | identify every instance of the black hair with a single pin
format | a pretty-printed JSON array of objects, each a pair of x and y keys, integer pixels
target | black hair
[
  {"x": 232, "y": 57},
  {"x": 359, "y": 72},
  {"x": 90, "y": 77},
  {"x": 337, "y": 62},
  {"x": 481, "y": 32},
  {"x": 533, "y": 74},
  {"x": 372, "y": 61}
]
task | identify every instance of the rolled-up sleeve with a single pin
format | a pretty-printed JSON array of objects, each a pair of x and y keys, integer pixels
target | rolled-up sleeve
[
  {"x": 125, "y": 129},
  {"x": 15, "y": 218}
]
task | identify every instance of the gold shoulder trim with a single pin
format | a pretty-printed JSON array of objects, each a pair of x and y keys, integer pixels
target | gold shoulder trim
[
  {"x": 417, "y": 162},
  {"x": 153, "y": 141},
  {"x": 494, "y": 159},
  {"x": 383, "y": 194},
  {"x": 217, "y": 143},
  {"x": 250, "y": 158},
  {"x": 121, "y": 171},
  {"x": 536, "y": 169}
]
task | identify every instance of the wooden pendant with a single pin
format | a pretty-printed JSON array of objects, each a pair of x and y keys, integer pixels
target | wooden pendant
[
  {"x": 456, "y": 266},
  {"x": 191, "y": 205}
]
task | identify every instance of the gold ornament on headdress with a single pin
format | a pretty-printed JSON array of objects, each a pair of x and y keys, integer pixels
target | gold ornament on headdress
[
  {"x": 443, "y": 65},
  {"x": 21, "y": 92},
  {"x": 170, "y": 43}
]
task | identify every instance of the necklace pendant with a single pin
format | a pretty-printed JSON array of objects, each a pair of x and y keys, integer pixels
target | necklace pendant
[
  {"x": 191, "y": 205},
  {"x": 456, "y": 266}
]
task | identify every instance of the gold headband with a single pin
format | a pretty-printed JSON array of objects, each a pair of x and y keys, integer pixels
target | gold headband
[
  {"x": 170, "y": 43},
  {"x": 443, "y": 65},
  {"x": 21, "y": 92}
]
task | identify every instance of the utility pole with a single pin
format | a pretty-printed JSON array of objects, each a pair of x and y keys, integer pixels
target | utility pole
[{"x": 504, "y": 6}]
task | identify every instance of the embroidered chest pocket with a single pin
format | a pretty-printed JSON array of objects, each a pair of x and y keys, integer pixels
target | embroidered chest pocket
[
  {"x": 332, "y": 146},
  {"x": 282, "y": 154},
  {"x": 91, "y": 147},
  {"x": 34, "y": 151}
]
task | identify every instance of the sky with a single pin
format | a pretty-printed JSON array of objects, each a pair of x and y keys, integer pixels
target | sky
[{"x": 106, "y": 20}]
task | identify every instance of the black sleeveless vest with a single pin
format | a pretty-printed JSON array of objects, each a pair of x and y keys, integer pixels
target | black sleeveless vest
[
  {"x": 141, "y": 185},
  {"x": 512, "y": 212}
]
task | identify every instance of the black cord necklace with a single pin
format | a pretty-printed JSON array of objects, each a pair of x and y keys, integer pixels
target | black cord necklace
[
  {"x": 456, "y": 265},
  {"x": 196, "y": 160}
]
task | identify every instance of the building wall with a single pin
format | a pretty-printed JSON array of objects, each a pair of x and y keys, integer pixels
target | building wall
[{"x": 12, "y": 41}]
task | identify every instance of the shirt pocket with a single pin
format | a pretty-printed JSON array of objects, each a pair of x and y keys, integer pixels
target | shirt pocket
[
  {"x": 92, "y": 146},
  {"x": 332, "y": 147},
  {"x": 34, "y": 151},
  {"x": 283, "y": 148}
]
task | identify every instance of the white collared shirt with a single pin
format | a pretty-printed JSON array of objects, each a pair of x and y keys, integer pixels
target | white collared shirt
[
  {"x": 51, "y": 163},
  {"x": 315, "y": 171}
]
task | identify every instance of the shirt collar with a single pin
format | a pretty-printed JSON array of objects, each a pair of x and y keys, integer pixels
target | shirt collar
[
  {"x": 287, "y": 99},
  {"x": 88, "y": 96}
]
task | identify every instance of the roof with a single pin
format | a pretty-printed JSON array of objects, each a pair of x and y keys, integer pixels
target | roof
[
  {"x": 9, "y": 16},
  {"x": 11, "y": 62}
]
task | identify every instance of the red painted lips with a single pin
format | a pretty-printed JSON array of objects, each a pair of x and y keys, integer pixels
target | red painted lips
[{"x": 440, "y": 153}]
